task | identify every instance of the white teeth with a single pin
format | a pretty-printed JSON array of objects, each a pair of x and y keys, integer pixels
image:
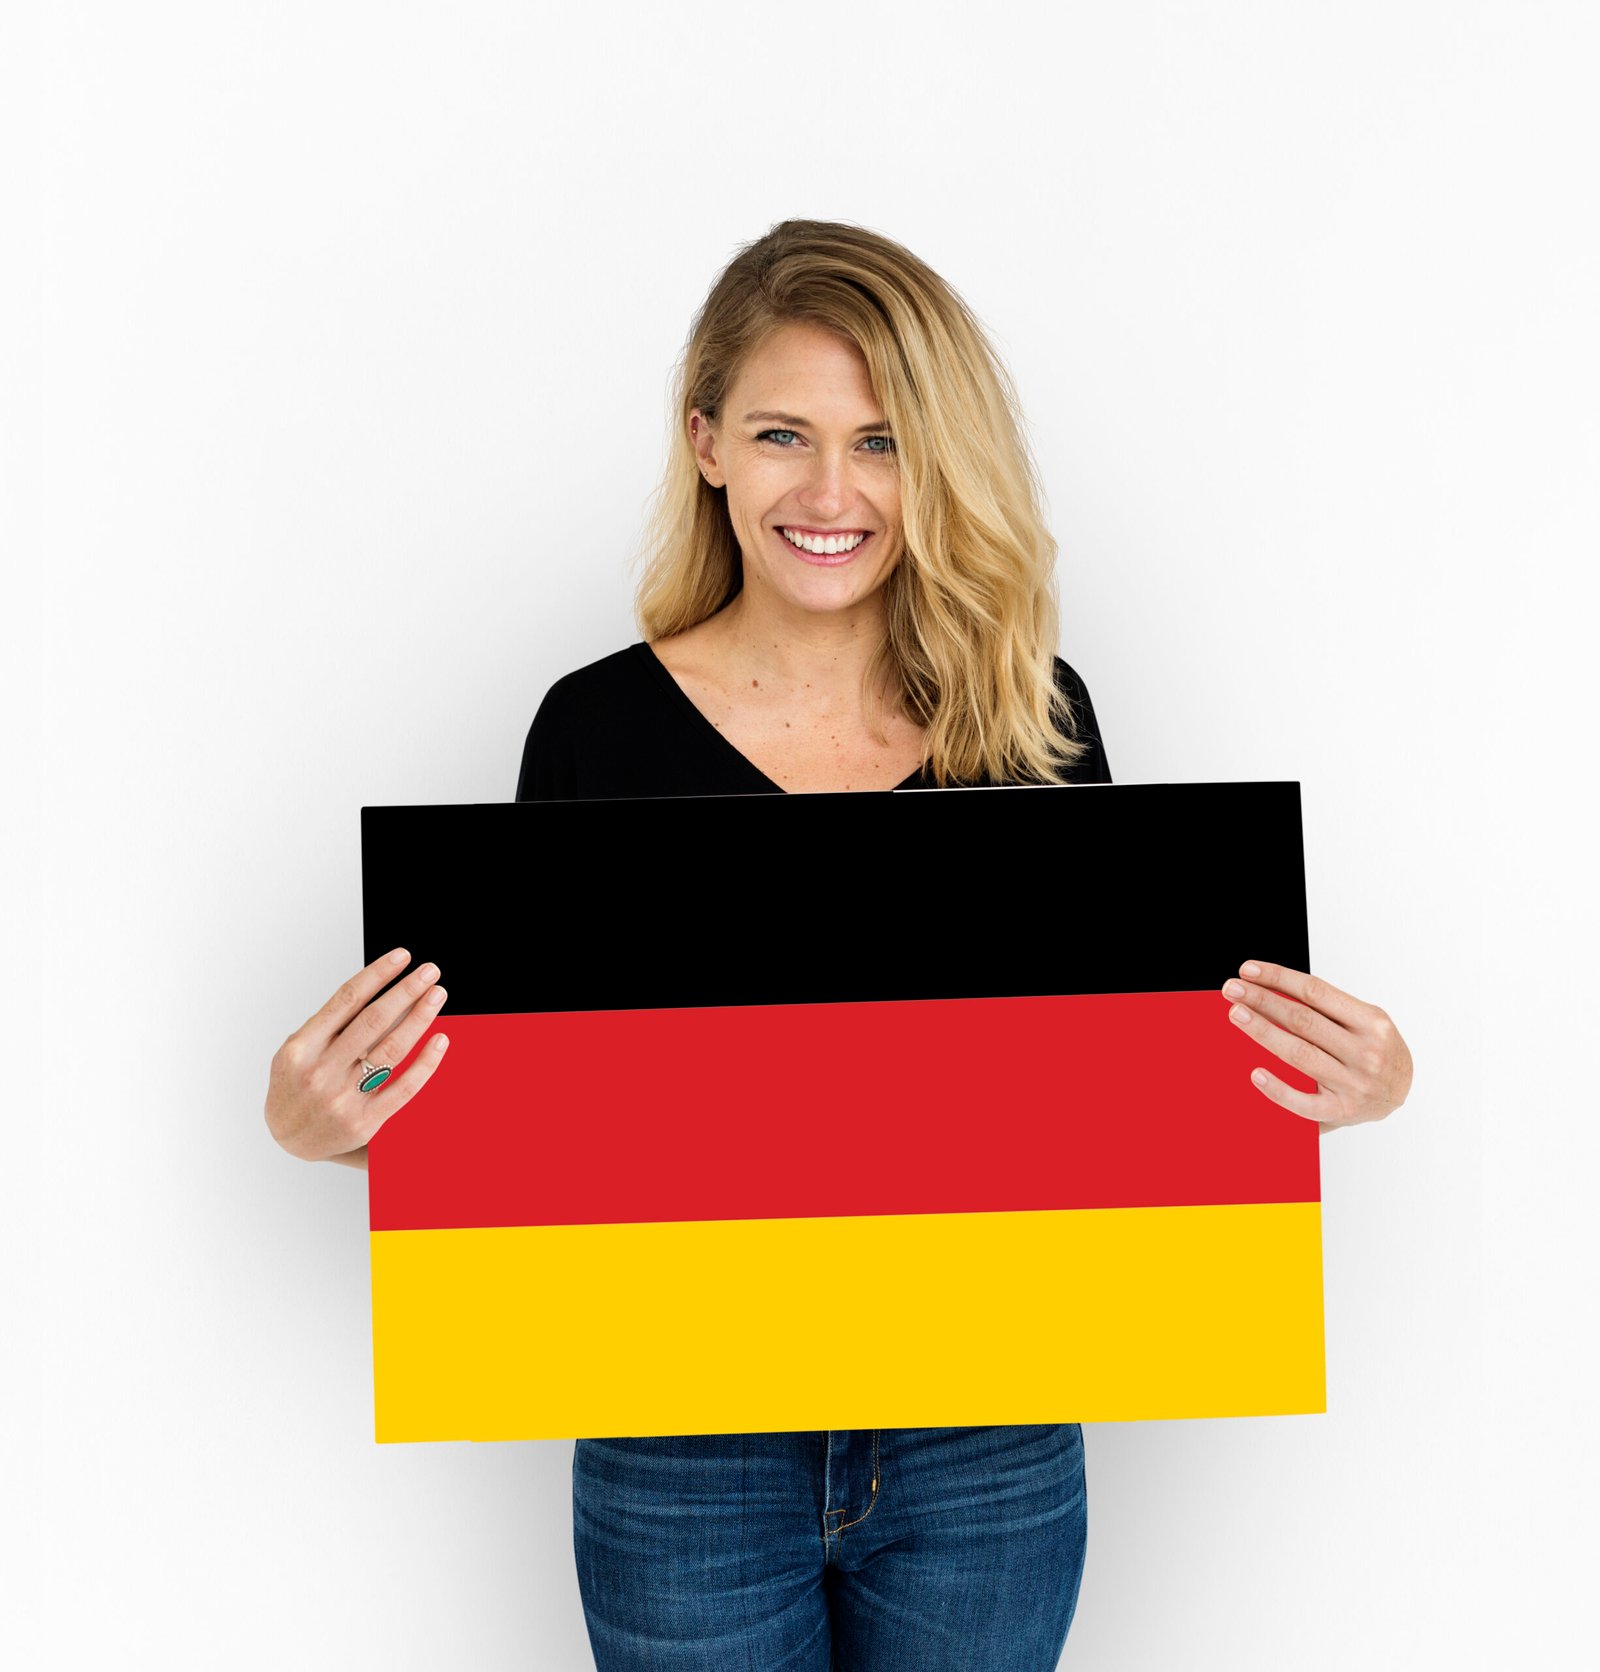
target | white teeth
[{"x": 823, "y": 548}]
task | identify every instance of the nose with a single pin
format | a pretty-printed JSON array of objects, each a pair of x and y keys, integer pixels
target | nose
[{"x": 827, "y": 486}]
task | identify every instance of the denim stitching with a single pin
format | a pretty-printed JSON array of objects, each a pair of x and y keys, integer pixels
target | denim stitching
[
  {"x": 873, "y": 1500},
  {"x": 827, "y": 1459},
  {"x": 750, "y": 1637}
]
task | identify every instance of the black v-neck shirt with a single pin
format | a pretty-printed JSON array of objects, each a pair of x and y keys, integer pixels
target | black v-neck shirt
[{"x": 623, "y": 726}]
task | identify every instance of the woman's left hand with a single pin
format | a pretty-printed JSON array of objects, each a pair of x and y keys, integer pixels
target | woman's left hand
[{"x": 1350, "y": 1048}]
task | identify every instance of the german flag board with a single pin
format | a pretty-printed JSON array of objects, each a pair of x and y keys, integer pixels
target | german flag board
[{"x": 859, "y": 1110}]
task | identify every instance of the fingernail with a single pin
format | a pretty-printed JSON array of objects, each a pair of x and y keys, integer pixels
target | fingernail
[
  {"x": 1239, "y": 1013},
  {"x": 1233, "y": 989},
  {"x": 1250, "y": 969},
  {"x": 399, "y": 955}
]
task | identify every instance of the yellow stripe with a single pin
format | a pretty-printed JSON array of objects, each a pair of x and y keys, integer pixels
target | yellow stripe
[{"x": 880, "y": 1321}]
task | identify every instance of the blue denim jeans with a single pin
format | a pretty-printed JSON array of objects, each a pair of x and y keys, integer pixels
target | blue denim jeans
[{"x": 846, "y": 1550}]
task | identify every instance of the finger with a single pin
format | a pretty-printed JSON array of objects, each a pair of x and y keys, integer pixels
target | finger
[
  {"x": 1321, "y": 995},
  {"x": 1298, "y": 1052},
  {"x": 374, "y": 1023},
  {"x": 397, "y": 1044},
  {"x": 398, "y": 1090},
  {"x": 323, "y": 1024},
  {"x": 1337, "y": 1042},
  {"x": 1313, "y": 1105}
]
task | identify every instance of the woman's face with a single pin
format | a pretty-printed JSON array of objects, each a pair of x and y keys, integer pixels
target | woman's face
[{"x": 802, "y": 445}]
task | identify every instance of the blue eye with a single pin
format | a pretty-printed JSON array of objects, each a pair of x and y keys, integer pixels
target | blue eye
[{"x": 887, "y": 448}]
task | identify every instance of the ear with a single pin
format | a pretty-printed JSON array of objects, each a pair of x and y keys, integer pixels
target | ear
[{"x": 703, "y": 439}]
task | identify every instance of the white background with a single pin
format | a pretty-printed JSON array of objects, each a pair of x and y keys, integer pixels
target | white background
[{"x": 332, "y": 416}]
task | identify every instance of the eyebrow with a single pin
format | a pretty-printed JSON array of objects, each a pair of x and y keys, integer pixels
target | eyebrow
[{"x": 799, "y": 423}]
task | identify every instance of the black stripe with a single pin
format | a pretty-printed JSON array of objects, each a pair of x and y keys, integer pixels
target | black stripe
[{"x": 798, "y": 899}]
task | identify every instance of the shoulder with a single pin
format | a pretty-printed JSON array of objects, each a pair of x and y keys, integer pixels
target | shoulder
[
  {"x": 1092, "y": 767},
  {"x": 608, "y": 677},
  {"x": 1068, "y": 677},
  {"x": 584, "y": 716},
  {"x": 1070, "y": 683}
]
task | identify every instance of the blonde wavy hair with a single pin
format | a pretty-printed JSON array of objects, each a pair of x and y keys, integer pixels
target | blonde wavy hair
[{"x": 973, "y": 619}]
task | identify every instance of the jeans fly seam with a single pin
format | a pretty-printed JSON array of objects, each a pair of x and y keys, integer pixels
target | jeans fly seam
[{"x": 874, "y": 1498}]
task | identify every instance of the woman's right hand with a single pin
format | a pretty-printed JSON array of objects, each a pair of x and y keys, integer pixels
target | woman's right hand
[{"x": 313, "y": 1107}]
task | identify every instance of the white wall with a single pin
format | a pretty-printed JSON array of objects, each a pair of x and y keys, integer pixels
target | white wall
[{"x": 350, "y": 346}]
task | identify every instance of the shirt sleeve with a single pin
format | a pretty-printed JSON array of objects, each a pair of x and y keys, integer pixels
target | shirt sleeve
[{"x": 549, "y": 755}]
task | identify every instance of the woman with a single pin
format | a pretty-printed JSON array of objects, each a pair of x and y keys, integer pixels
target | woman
[{"x": 850, "y": 587}]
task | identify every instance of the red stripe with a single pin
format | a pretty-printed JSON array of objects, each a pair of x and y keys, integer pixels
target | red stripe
[{"x": 786, "y": 1111}]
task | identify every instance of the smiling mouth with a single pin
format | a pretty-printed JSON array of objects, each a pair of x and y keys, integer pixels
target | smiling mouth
[{"x": 824, "y": 557}]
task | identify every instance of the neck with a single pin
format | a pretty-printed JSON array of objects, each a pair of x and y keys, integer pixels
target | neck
[{"x": 823, "y": 654}]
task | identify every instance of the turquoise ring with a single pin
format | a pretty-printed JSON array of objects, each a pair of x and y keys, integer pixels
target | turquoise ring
[{"x": 373, "y": 1077}]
